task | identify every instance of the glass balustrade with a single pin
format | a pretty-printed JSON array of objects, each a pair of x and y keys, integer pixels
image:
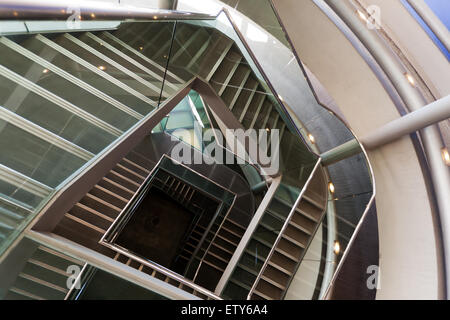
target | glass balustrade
[{"x": 38, "y": 272}]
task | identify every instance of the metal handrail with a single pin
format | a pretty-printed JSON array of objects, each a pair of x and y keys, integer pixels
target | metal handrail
[
  {"x": 202, "y": 240},
  {"x": 285, "y": 225},
  {"x": 65, "y": 10},
  {"x": 167, "y": 272},
  {"x": 213, "y": 238}
]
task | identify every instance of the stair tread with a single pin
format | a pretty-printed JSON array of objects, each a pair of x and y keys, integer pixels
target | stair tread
[
  {"x": 294, "y": 241},
  {"x": 87, "y": 224},
  {"x": 106, "y": 203},
  {"x": 273, "y": 282},
  {"x": 93, "y": 211}
]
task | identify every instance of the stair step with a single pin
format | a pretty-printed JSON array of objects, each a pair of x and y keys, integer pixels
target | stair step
[
  {"x": 310, "y": 211},
  {"x": 109, "y": 196},
  {"x": 116, "y": 188},
  {"x": 142, "y": 171},
  {"x": 282, "y": 263},
  {"x": 50, "y": 277},
  {"x": 90, "y": 217},
  {"x": 314, "y": 200},
  {"x": 268, "y": 290},
  {"x": 24, "y": 293},
  {"x": 87, "y": 224},
  {"x": 120, "y": 179}
]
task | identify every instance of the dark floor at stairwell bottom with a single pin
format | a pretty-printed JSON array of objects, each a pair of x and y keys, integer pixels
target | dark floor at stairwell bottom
[{"x": 156, "y": 229}]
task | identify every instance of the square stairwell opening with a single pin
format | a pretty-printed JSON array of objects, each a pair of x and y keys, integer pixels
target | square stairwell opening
[{"x": 171, "y": 219}]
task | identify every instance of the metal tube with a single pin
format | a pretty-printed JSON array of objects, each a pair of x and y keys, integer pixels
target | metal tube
[
  {"x": 344, "y": 151},
  {"x": 114, "y": 267},
  {"x": 414, "y": 121},
  {"x": 68, "y": 10},
  {"x": 433, "y": 22}
]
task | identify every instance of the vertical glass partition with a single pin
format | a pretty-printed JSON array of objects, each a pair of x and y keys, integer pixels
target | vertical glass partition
[{"x": 65, "y": 99}]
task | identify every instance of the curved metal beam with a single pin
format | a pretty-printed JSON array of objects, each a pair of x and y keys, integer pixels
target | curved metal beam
[
  {"x": 67, "y": 10},
  {"x": 432, "y": 21}
]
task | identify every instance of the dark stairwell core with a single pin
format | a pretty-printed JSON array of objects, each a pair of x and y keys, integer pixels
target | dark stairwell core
[{"x": 158, "y": 228}]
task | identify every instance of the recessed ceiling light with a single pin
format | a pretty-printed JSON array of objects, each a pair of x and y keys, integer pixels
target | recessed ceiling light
[
  {"x": 337, "y": 247},
  {"x": 311, "y": 138},
  {"x": 45, "y": 71},
  {"x": 410, "y": 79},
  {"x": 102, "y": 68},
  {"x": 445, "y": 156},
  {"x": 331, "y": 187},
  {"x": 361, "y": 15}
]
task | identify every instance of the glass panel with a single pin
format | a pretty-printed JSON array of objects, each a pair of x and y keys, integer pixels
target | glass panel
[
  {"x": 13, "y": 213},
  {"x": 34, "y": 157},
  {"x": 60, "y": 86},
  {"x": 53, "y": 118},
  {"x": 149, "y": 44},
  {"x": 97, "y": 284},
  {"x": 346, "y": 205},
  {"x": 126, "y": 98},
  {"x": 87, "y": 75},
  {"x": 264, "y": 16},
  {"x": 266, "y": 233}
]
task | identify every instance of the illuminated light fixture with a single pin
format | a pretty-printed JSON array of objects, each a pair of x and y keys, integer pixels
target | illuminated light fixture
[
  {"x": 79, "y": 17},
  {"x": 267, "y": 129},
  {"x": 15, "y": 13},
  {"x": 361, "y": 15},
  {"x": 336, "y": 247},
  {"x": 141, "y": 48},
  {"x": 331, "y": 187},
  {"x": 311, "y": 138},
  {"x": 45, "y": 71},
  {"x": 92, "y": 15},
  {"x": 155, "y": 17},
  {"x": 446, "y": 156},
  {"x": 103, "y": 68},
  {"x": 410, "y": 79}
]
